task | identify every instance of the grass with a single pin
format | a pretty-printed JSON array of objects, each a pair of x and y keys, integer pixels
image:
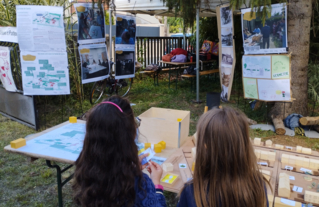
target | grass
[{"x": 24, "y": 183}]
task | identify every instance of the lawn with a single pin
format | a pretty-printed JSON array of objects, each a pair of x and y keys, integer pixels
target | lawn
[{"x": 25, "y": 183}]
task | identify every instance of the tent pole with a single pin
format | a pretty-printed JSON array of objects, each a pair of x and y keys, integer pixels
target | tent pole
[
  {"x": 110, "y": 37},
  {"x": 197, "y": 56}
]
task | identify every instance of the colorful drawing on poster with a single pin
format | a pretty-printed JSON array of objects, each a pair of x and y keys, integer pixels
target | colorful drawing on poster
[
  {"x": 169, "y": 178},
  {"x": 274, "y": 90},
  {"x": 280, "y": 67},
  {"x": 257, "y": 66},
  {"x": 5, "y": 70},
  {"x": 250, "y": 88},
  {"x": 47, "y": 19}
]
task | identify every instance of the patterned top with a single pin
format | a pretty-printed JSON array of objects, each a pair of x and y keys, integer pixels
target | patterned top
[{"x": 148, "y": 196}]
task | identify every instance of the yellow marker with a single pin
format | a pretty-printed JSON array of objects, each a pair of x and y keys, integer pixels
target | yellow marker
[
  {"x": 72, "y": 119},
  {"x": 163, "y": 144},
  {"x": 18, "y": 143},
  {"x": 147, "y": 145},
  {"x": 157, "y": 148},
  {"x": 206, "y": 109}
]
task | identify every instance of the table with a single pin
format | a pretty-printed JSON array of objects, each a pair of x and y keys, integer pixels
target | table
[
  {"x": 66, "y": 151},
  {"x": 95, "y": 68}
]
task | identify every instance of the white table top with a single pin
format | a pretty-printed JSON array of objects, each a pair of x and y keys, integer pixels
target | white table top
[{"x": 95, "y": 68}]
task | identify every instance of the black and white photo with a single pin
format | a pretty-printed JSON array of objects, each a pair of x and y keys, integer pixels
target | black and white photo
[
  {"x": 124, "y": 64},
  {"x": 227, "y": 36},
  {"x": 227, "y": 56},
  {"x": 91, "y": 23},
  {"x": 94, "y": 62},
  {"x": 226, "y": 17},
  {"x": 270, "y": 37}
]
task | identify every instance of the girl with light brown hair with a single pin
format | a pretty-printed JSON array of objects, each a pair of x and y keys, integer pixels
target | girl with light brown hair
[{"x": 226, "y": 172}]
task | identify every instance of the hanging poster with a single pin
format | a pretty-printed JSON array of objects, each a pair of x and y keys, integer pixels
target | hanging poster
[
  {"x": 125, "y": 31},
  {"x": 94, "y": 62},
  {"x": 8, "y": 34},
  {"x": 45, "y": 73},
  {"x": 274, "y": 90},
  {"x": 124, "y": 63},
  {"x": 91, "y": 23},
  {"x": 5, "y": 70},
  {"x": 272, "y": 73},
  {"x": 268, "y": 38},
  {"x": 257, "y": 66},
  {"x": 226, "y": 49},
  {"x": 40, "y": 28}
]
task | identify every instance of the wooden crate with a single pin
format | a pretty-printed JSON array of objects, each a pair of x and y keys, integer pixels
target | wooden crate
[{"x": 160, "y": 124}]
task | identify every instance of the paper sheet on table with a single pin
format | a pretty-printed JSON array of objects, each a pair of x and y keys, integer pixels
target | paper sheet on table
[{"x": 274, "y": 90}]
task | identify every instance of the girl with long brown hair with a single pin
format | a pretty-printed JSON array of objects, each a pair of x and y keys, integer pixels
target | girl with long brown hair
[
  {"x": 108, "y": 171},
  {"x": 226, "y": 172}
]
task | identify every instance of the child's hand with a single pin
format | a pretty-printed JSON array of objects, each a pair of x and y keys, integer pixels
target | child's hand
[
  {"x": 156, "y": 172},
  {"x": 141, "y": 157}
]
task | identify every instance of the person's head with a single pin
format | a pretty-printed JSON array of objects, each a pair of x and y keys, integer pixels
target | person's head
[
  {"x": 226, "y": 172},
  {"x": 126, "y": 36},
  {"x": 82, "y": 16},
  {"x": 108, "y": 164}
]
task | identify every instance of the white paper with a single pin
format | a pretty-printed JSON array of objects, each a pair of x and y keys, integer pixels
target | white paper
[
  {"x": 94, "y": 62},
  {"x": 297, "y": 189},
  {"x": 262, "y": 163},
  {"x": 290, "y": 148},
  {"x": 158, "y": 160},
  {"x": 40, "y": 28},
  {"x": 182, "y": 165},
  {"x": 45, "y": 73},
  {"x": 256, "y": 46},
  {"x": 257, "y": 66},
  {"x": 288, "y": 202},
  {"x": 91, "y": 23},
  {"x": 8, "y": 34},
  {"x": 124, "y": 63},
  {"x": 5, "y": 70},
  {"x": 288, "y": 167},
  {"x": 125, "y": 32},
  {"x": 149, "y": 157},
  {"x": 291, "y": 178},
  {"x": 274, "y": 90},
  {"x": 306, "y": 170},
  {"x": 65, "y": 142}
]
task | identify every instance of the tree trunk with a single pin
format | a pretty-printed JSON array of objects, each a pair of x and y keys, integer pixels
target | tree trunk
[
  {"x": 306, "y": 121},
  {"x": 299, "y": 20}
]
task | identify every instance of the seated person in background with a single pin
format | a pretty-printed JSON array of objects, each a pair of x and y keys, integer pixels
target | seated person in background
[
  {"x": 108, "y": 171},
  {"x": 226, "y": 172},
  {"x": 246, "y": 31},
  {"x": 256, "y": 30},
  {"x": 95, "y": 31}
]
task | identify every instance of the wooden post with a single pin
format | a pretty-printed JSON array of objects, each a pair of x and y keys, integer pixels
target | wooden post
[
  {"x": 306, "y": 121},
  {"x": 279, "y": 125}
]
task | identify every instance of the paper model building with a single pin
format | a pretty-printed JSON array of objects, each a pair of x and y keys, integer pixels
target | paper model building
[
  {"x": 168, "y": 167},
  {"x": 257, "y": 141},
  {"x": 266, "y": 174},
  {"x": 285, "y": 158},
  {"x": 314, "y": 164},
  {"x": 279, "y": 146},
  {"x": 311, "y": 197},
  {"x": 194, "y": 153},
  {"x": 282, "y": 202},
  {"x": 298, "y": 148},
  {"x": 284, "y": 185},
  {"x": 306, "y": 150},
  {"x": 268, "y": 143}
]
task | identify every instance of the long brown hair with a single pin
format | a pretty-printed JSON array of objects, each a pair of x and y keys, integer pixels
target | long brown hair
[
  {"x": 108, "y": 165},
  {"x": 226, "y": 171}
]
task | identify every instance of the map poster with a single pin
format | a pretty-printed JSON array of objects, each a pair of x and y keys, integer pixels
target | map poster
[
  {"x": 250, "y": 88},
  {"x": 267, "y": 38},
  {"x": 5, "y": 70},
  {"x": 274, "y": 90},
  {"x": 125, "y": 31},
  {"x": 40, "y": 28},
  {"x": 45, "y": 73},
  {"x": 280, "y": 67},
  {"x": 257, "y": 66},
  {"x": 125, "y": 63},
  {"x": 91, "y": 23},
  {"x": 94, "y": 62}
]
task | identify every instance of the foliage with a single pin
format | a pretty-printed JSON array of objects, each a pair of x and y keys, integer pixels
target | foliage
[
  {"x": 313, "y": 82},
  {"x": 107, "y": 18},
  {"x": 314, "y": 33},
  {"x": 205, "y": 31},
  {"x": 175, "y": 24}
]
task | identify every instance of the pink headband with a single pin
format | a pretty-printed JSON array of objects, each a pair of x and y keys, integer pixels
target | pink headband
[{"x": 108, "y": 102}]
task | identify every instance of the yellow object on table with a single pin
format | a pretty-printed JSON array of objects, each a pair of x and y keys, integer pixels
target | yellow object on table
[
  {"x": 73, "y": 119},
  {"x": 18, "y": 143},
  {"x": 157, "y": 148},
  {"x": 163, "y": 144},
  {"x": 147, "y": 145},
  {"x": 169, "y": 178}
]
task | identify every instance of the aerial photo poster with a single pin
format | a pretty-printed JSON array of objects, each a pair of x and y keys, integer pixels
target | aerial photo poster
[
  {"x": 267, "y": 38},
  {"x": 227, "y": 56},
  {"x": 267, "y": 77}
]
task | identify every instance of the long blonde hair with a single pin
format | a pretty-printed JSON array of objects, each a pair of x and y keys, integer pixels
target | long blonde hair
[{"x": 226, "y": 171}]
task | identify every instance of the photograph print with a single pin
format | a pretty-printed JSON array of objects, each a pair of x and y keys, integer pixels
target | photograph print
[
  {"x": 227, "y": 56},
  {"x": 270, "y": 37},
  {"x": 226, "y": 17},
  {"x": 90, "y": 22},
  {"x": 94, "y": 62},
  {"x": 125, "y": 64},
  {"x": 227, "y": 36},
  {"x": 226, "y": 78},
  {"x": 125, "y": 30}
]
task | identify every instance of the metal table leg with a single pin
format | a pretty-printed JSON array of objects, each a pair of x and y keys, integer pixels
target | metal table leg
[
  {"x": 169, "y": 78},
  {"x": 59, "y": 179}
]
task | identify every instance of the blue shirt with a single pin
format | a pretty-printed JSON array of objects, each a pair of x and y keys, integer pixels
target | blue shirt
[
  {"x": 187, "y": 198},
  {"x": 257, "y": 30},
  {"x": 148, "y": 196}
]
